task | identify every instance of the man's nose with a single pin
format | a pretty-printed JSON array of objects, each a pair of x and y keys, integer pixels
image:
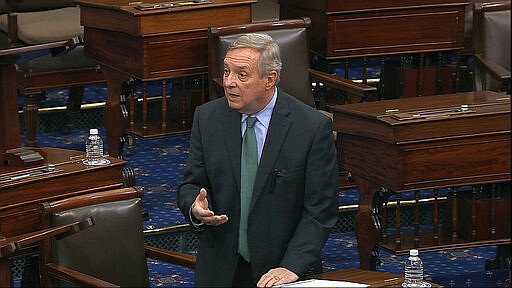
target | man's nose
[{"x": 229, "y": 80}]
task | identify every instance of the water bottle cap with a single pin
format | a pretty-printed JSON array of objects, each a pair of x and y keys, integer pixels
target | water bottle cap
[
  {"x": 413, "y": 252},
  {"x": 51, "y": 167},
  {"x": 93, "y": 131}
]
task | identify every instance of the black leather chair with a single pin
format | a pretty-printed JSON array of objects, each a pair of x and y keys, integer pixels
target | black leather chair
[
  {"x": 491, "y": 46},
  {"x": 64, "y": 67},
  {"x": 109, "y": 254}
]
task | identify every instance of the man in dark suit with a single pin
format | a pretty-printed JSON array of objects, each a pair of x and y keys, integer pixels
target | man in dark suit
[{"x": 276, "y": 236}]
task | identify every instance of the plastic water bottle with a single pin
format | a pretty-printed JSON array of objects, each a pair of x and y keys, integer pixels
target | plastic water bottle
[
  {"x": 413, "y": 270},
  {"x": 94, "y": 149}
]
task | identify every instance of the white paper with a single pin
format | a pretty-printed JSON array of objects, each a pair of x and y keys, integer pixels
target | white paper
[{"x": 323, "y": 283}]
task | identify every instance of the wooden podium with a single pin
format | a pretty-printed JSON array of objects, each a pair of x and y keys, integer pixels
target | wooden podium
[
  {"x": 419, "y": 143},
  {"x": 151, "y": 45}
]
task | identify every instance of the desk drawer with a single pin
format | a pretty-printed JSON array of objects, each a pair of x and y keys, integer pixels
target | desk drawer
[
  {"x": 392, "y": 32},
  {"x": 343, "y": 29}
]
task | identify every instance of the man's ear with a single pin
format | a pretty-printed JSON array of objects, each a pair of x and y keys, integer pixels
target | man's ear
[{"x": 271, "y": 80}]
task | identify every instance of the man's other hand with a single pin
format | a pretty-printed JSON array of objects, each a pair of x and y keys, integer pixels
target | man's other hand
[{"x": 202, "y": 213}]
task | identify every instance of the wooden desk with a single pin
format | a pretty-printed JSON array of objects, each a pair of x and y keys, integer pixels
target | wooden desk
[
  {"x": 348, "y": 29},
  {"x": 369, "y": 28},
  {"x": 450, "y": 148},
  {"x": 150, "y": 45},
  {"x": 19, "y": 199}
]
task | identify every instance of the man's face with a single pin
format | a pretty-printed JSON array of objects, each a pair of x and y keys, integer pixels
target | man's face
[{"x": 245, "y": 91}]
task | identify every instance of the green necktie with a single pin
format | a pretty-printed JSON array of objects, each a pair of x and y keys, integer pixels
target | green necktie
[{"x": 249, "y": 167}]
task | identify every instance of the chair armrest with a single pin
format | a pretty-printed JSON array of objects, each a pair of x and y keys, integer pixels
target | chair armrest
[
  {"x": 90, "y": 199},
  {"x": 494, "y": 69},
  {"x": 172, "y": 257},
  {"x": 362, "y": 91},
  {"x": 12, "y": 27},
  {"x": 57, "y": 271},
  {"x": 12, "y": 244}
]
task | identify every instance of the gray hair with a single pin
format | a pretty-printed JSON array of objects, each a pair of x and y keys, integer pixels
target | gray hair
[{"x": 270, "y": 57}]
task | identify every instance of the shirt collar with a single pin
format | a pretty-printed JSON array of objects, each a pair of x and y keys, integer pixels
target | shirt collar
[{"x": 264, "y": 114}]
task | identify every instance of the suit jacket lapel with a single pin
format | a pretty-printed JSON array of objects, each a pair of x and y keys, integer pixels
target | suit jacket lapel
[
  {"x": 276, "y": 134},
  {"x": 233, "y": 140}
]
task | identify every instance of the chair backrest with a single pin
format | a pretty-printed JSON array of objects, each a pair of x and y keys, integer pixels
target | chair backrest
[
  {"x": 491, "y": 38},
  {"x": 468, "y": 19},
  {"x": 111, "y": 250},
  {"x": 3, "y": 7},
  {"x": 60, "y": 19},
  {"x": 290, "y": 35},
  {"x": 38, "y": 5}
]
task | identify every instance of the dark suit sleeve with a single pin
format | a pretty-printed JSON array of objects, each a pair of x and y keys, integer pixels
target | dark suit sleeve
[
  {"x": 195, "y": 176},
  {"x": 320, "y": 210}
]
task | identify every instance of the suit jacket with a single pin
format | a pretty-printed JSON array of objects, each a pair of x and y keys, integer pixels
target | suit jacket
[{"x": 294, "y": 203}]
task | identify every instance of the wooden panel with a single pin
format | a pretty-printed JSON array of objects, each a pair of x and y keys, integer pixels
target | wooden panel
[
  {"x": 366, "y": 156},
  {"x": 349, "y": 6},
  {"x": 331, "y": 7},
  {"x": 188, "y": 56},
  {"x": 477, "y": 159},
  {"x": 429, "y": 165},
  {"x": 364, "y": 28},
  {"x": 124, "y": 18},
  {"x": 195, "y": 20},
  {"x": 11, "y": 219},
  {"x": 110, "y": 19},
  {"x": 397, "y": 32},
  {"x": 120, "y": 50},
  {"x": 152, "y": 57}
]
